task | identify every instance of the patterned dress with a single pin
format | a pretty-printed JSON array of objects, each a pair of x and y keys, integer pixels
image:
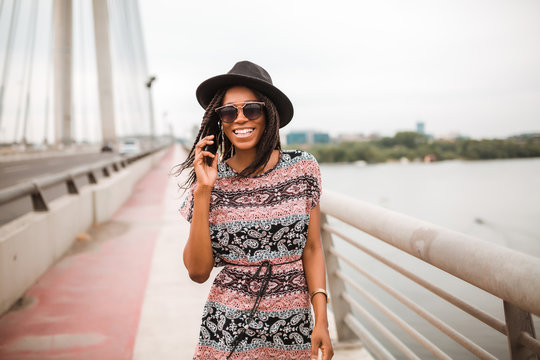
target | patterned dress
[{"x": 259, "y": 306}]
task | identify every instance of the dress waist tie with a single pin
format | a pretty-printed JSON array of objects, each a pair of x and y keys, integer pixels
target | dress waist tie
[{"x": 264, "y": 286}]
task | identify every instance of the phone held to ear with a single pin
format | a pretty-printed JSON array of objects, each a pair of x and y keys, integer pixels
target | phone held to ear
[{"x": 213, "y": 149}]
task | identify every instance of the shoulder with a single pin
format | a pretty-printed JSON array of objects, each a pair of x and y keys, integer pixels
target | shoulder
[
  {"x": 306, "y": 166},
  {"x": 302, "y": 162},
  {"x": 297, "y": 156}
]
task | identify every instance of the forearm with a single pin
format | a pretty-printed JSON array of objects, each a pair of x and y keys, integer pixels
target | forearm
[
  {"x": 314, "y": 269},
  {"x": 313, "y": 260},
  {"x": 198, "y": 257}
]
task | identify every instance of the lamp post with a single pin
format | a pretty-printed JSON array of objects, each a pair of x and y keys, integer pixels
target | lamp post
[{"x": 151, "y": 79}]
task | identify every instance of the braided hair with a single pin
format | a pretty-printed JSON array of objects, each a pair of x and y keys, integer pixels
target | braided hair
[{"x": 211, "y": 125}]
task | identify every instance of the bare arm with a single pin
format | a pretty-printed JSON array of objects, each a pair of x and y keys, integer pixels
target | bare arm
[
  {"x": 313, "y": 260},
  {"x": 198, "y": 257}
]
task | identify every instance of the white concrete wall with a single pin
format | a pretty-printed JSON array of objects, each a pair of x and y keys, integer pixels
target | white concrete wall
[
  {"x": 30, "y": 244},
  {"x": 112, "y": 192}
]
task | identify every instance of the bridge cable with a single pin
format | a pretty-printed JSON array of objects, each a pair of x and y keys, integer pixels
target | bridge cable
[
  {"x": 136, "y": 83},
  {"x": 24, "y": 74},
  {"x": 118, "y": 46},
  {"x": 8, "y": 56},
  {"x": 33, "y": 27},
  {"x": 141, "y": 63},
  {"x": 81, "y": 56},
  {"x": 142, "y": 48},
  {"x": 49, "y": 71}
]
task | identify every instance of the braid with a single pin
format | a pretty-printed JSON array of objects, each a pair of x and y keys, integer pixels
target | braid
[{"x": 210, "y": 125}]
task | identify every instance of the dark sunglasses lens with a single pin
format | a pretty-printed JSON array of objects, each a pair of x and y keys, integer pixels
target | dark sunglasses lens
[
  {"x": 252, "y": 111},
  {"x": 228, "y": 114}
]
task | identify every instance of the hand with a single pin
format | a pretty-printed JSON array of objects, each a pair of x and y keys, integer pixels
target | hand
[
  {"x": 320, "y": 338},
  {"x": 206, "y": 174}
]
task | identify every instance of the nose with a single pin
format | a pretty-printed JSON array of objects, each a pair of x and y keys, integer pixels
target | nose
[{"x": 241, "y": 117}]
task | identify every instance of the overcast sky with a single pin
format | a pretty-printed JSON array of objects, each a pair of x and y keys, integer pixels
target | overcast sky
[{"x": 460, "y": 66}]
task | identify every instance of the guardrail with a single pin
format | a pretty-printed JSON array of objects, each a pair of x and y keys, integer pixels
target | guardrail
[
  {"x": 32, "y": 241},
  {"x": 34, "y": 188},
  {"x": 511, "y": 276}
]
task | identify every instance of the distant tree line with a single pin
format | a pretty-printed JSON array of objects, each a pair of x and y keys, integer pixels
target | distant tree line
[{"x": 413, "y": 146}]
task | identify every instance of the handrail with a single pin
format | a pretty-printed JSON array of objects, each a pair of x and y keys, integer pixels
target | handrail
[
  {"x": 472, "y": 310},
  {"x": 34, "y": 186},
  {"x": 518, "y": 274},
  {"x": 507, "y": 274},
  {"x": 23, "y": 189}
]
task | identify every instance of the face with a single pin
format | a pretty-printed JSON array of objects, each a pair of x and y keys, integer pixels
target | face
[{"x": 243, "y": 133}]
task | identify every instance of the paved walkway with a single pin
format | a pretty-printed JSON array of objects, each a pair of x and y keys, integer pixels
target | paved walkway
[{"x": 122, "y": 291}]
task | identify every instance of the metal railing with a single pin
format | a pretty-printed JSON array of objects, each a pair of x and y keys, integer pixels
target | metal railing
[
  {"x": 511, "y": 276},
  {"x": 34, "y": 188}
]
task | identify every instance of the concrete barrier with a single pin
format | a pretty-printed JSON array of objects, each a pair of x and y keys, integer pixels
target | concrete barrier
[{"x": 30, "y": 244}]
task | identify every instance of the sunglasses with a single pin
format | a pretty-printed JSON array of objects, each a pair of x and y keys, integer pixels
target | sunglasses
[{"x": 252, "y": 110}]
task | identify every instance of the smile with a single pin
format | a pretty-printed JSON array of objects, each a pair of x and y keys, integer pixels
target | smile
[{"x": 243, "y": 132}]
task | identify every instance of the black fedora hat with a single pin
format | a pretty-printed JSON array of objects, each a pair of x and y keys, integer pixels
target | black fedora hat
[{"x": 246, "y": 73}]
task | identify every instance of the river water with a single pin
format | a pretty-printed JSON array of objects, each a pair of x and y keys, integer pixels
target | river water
[{"x": 496, "y": 200}]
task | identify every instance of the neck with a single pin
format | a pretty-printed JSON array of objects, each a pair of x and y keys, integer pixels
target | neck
[{"x": 242, "y": 159}]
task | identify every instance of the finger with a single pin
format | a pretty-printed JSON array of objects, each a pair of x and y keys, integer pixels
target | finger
[
  {"x": 197, "y": 158},
  {"x": 207, "y": 153},
  {"x": 314, "y": 351},
  {"x": 214, "y": 163},
  {"x": 204, "y": 141},
  {"x": 328, "y": 351},
  {"x": 326, "y": 354},
  {"x": 200, "y": 159},
  {"x": 202, "y": 146},
  {"x": 210, "y": 160},
  {"x": 207, "y": 137}
]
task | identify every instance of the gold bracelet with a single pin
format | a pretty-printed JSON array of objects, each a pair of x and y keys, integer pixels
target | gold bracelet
[{"x": 322, "y": 291}]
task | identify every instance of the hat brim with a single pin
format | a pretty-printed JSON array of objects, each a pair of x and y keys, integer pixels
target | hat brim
[{"x": 208, "y": 88}]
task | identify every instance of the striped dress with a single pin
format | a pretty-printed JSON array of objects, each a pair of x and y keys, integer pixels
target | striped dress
[{"x": 258, "y": 306}]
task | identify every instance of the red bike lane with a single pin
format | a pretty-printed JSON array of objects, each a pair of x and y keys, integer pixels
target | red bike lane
[{"x": 88, "y": 304}]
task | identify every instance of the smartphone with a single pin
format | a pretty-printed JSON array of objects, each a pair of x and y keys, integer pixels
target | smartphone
[{"x": 213, "y": 149}]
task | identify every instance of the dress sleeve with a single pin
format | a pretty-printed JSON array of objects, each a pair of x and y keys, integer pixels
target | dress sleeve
[
  {"x": 186, "y": 209},
  {"x": 314, "y": 188}
]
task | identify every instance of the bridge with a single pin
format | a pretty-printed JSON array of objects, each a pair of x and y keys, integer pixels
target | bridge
[{"x": 91, "y": 241}]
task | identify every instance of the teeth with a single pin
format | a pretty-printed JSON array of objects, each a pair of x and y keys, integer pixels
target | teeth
[{"x": 243, "y": 131}]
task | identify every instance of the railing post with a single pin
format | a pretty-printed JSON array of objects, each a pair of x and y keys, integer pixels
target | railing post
[
  {"x": 91, "y": 177},
  {"x": 38, "y": 200},
  {"x": 71, "y": 185},
  {"x": 518, "y": 321},
  {"x": 340, "y": 307}
]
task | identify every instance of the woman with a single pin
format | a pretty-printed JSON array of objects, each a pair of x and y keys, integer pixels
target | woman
[{"x": 256, "y": 213}]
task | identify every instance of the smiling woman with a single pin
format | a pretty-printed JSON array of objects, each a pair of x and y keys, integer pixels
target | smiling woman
[{"x": 254, "y": 210}]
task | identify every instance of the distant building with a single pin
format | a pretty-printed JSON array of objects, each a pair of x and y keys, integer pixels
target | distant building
[
  {"x": 297, "y": 138},
  {"x": 321, "y": 138},
  {"x": 307, "y": 137},
  {"x": 420, "y": 128}
]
